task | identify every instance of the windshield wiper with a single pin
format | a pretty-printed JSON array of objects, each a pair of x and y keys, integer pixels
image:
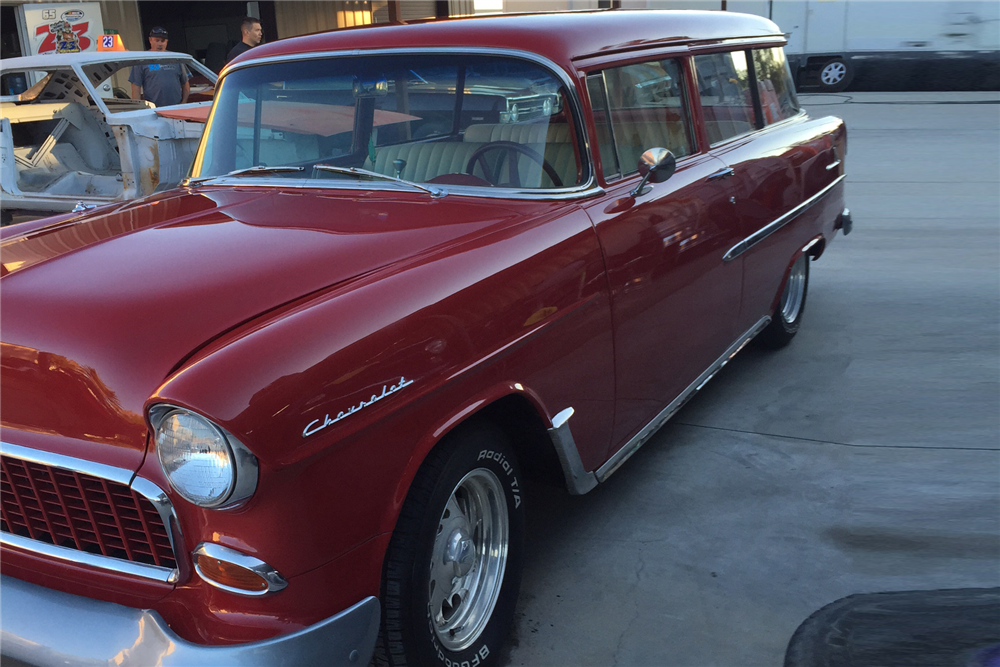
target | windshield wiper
[
  {"x": 259, "y": 169},
  {"x": 354, "y": 171}
]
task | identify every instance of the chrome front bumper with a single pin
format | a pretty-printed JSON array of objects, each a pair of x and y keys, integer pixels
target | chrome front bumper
[{"x": 42, "y": 627}]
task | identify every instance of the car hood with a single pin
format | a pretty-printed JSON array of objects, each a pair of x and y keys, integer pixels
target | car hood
[{"x": 99, "y": 310}]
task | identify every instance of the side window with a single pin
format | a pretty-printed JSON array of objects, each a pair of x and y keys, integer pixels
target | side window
[
  {"x": 647, "y": 107},
  {"x": 774, "y": 83},
  {"x": 726, "y": 100}
]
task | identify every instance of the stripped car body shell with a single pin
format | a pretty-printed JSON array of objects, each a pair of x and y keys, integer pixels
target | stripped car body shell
[{"x": 102, "y": 148}]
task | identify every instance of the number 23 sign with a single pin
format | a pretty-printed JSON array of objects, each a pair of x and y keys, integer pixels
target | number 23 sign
[{"x": 63, "y": 28}]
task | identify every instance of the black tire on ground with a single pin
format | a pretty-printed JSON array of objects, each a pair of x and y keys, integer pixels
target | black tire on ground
[
  {"x": 447, "y": 596},
  {"x": 835, "y": 75},
  {"x": 787, "y": 316}
]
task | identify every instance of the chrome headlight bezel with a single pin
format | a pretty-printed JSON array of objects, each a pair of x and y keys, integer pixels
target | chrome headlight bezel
[{"x": 242, "y": 461}]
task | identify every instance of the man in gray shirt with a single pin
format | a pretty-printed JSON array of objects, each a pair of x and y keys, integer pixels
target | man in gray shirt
[{"x": 162, "y": 84}]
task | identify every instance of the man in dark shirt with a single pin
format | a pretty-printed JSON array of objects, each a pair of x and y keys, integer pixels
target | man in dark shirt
[
  {"x": 253, "y": 35},
  {"x": 162, "y": 84}
]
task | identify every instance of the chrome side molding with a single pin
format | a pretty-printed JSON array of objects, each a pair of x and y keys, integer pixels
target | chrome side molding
[{"x": 772, "y": 227}]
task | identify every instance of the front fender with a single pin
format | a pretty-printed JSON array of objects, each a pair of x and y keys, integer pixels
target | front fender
[{"x": 341, "y": 395}]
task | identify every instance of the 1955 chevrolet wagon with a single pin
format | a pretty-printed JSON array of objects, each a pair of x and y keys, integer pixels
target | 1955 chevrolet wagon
[{"x": 284, "y": 413}]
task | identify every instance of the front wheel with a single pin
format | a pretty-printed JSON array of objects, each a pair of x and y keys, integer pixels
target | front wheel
[
  {"x": 787, "y": 316},
  {"x": 453, "y": 567}
]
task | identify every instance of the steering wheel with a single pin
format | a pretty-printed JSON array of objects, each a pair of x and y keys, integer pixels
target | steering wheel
[{"x": 512, "y": 150}]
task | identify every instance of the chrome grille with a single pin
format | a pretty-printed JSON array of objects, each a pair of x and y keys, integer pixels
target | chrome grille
[{"x": 78, "y": 511}]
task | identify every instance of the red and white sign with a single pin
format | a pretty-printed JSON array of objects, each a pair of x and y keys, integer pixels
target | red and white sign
[{"x": 63, "y": 28}]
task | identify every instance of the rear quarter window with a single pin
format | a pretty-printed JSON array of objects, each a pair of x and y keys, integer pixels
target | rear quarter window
[
  {"x": 726, "y": 98},
  {"x": 774, "y": 85}
]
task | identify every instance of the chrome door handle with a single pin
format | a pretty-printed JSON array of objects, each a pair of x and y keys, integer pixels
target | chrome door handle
[{"x": 722, "y": 173}]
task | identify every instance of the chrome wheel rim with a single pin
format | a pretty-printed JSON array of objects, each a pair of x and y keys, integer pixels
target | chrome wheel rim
[
  {"x": 795, "y": 289},
  {"x": 833, "y": 73},
  {"x": 468, "y": 559}
]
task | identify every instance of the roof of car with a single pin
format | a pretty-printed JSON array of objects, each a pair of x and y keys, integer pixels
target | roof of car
[
  {"x": 53, "y": 60},
  {"x": 559, "y": 36}
]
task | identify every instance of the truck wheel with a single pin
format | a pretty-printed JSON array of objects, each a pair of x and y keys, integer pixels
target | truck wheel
[
  {"x": 835, "y": 76},
  {"x": 788, "y": 315},
  {"x": 453, "y": 566}
]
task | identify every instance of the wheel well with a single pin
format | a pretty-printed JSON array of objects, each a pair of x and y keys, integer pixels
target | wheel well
[
  {"x": 517, "y": 417},
  {"x": 817, "y": 249}
]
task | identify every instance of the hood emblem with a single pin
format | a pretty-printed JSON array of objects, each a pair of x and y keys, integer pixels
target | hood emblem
[{"x": 317, "y": 425}]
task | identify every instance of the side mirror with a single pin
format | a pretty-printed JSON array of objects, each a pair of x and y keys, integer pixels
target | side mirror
[{"x": 656, "y": 165}]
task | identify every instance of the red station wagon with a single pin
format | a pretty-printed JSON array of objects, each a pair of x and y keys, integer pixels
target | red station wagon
[{"x": 284, "y": 413}]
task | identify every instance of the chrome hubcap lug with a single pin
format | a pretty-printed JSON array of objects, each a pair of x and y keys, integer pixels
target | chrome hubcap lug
[{"x": 460, "y": 551}]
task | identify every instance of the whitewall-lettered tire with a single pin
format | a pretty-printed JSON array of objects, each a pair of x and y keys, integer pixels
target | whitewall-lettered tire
[{"x": 453, "y": 567}]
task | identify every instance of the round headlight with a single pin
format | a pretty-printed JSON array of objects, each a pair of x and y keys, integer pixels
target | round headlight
[{"x": 196, "y": 458}]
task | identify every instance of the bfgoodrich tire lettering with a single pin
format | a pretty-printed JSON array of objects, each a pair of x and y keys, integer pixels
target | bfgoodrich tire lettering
[{"x": 453, "y": 567}]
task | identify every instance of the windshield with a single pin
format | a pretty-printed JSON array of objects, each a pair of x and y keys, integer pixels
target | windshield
[{"x": 482, "y": 121}]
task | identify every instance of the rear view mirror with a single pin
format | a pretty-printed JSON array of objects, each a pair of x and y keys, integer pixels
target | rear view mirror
[
  {"x": 656, "y": 165},
  {"x": 374, "y": 87}
]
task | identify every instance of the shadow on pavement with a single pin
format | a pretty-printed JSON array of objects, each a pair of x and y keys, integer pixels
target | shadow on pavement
[{"x": 936, "y": 628}]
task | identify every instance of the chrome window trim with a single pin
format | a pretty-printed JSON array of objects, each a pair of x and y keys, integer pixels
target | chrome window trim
[
  {"x": 647, "y": 432},
  {"x": 777, "y": 40},
  {"x": 772, "y": 227},
  {"x": 140, "y": 485},
  {"x": 275, "y": 582},
  {"x": 620, "y": 171},
  {"x": 585, "y": 189}
]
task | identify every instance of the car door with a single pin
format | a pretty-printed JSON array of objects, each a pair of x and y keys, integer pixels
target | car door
[{"x": 674, "y": 300}]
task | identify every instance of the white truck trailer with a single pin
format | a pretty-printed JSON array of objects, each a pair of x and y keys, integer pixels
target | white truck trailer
[{"x": 828, "y": 40}]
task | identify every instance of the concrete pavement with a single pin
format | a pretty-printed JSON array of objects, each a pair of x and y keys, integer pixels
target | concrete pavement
[{"x": 864, "y": 457}]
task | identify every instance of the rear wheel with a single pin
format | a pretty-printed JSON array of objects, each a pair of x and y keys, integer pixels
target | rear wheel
[
  {"x": 788, "y": 315},
  {"x": 453, "y": 566},
  {"x": 835, "y": 76}
]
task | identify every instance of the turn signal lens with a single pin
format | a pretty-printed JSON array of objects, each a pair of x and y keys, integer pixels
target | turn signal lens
[{"x": 229, "y": 575}]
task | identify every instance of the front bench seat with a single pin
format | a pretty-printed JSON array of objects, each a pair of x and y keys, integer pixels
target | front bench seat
[
  {"x": 551, "y": 141},
  {"x": 424, "y": 161}
]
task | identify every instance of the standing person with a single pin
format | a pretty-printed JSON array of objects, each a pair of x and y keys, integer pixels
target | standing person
[
  {"x": 253, "y": 35},
  {"x": 162, "y": 84}
]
